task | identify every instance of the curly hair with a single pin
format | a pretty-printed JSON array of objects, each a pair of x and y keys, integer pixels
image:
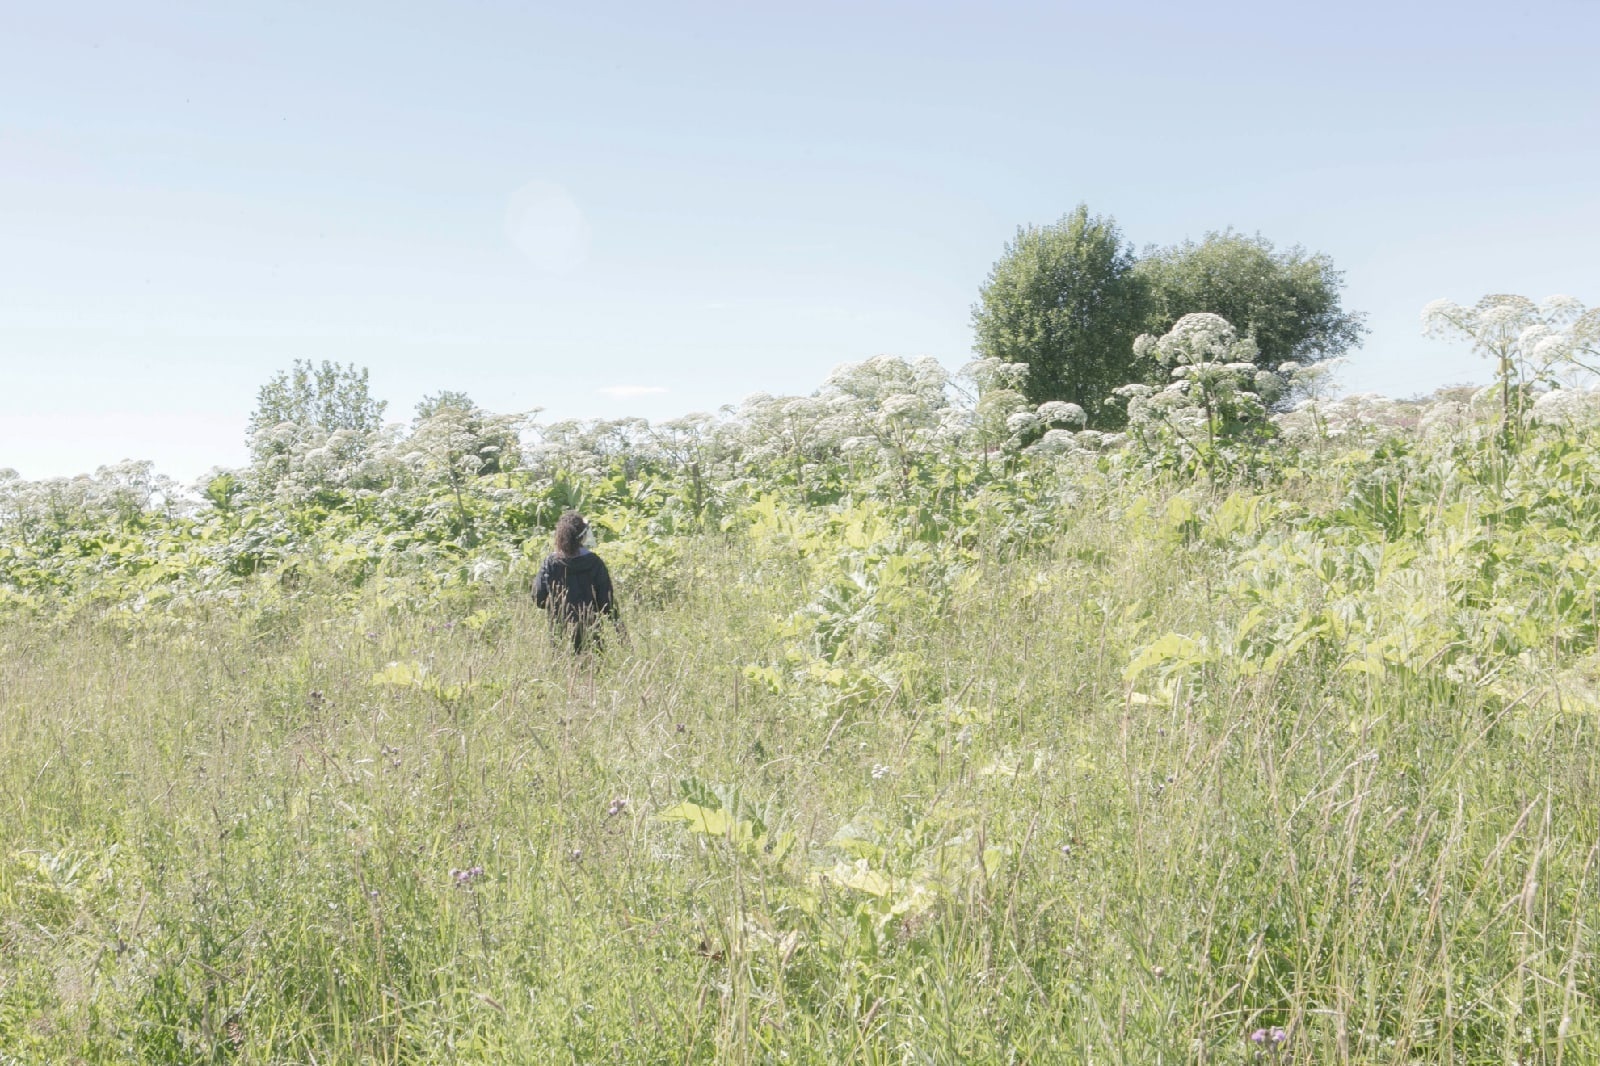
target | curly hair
[{"x": 570, "y": 529}]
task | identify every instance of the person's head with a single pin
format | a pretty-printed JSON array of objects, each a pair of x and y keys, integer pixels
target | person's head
[{"x": 570, "y": 529}]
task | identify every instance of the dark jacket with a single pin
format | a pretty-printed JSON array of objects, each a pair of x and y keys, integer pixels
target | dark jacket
[{"x": 576, "y": 589}]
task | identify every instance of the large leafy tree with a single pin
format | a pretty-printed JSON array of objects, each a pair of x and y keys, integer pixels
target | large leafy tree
[
  {"x": 328, "y": 397},
  {"x": 1066, "y": 300},
  {"x": 310, "y": 419},
  {"x": 1286, "y": 301}
]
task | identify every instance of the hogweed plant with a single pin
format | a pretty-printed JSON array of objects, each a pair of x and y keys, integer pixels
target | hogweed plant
[
  {"x": 946, "y": 731},
  {"x": 1215, "y": 403},
  {"x": 1531, "y": 345}
]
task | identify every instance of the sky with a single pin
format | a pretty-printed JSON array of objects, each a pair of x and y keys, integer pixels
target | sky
[{"x": 652, "y": 209}]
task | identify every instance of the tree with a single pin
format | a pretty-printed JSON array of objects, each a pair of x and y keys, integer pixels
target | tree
[
  {"x": 433, "y": 403},
  {"x": 1065, "y": 299},
  {"x": 327, "y": 398},
  {"x": 1287, "y": 302},
  {"x": 312, "y": 428}
]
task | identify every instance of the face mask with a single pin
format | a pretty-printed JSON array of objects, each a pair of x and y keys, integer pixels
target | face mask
[{"x": 588, "y": 540}]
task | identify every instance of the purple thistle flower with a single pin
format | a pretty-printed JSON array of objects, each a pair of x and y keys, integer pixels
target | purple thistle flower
[{"x": 1274, "y": 1037}]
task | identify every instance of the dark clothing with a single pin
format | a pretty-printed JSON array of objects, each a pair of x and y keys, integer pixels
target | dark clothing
[{"x": 577, "y": 591}]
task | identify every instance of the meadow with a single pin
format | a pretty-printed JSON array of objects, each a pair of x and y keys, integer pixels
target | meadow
[{"x": 1007, "y": 745}]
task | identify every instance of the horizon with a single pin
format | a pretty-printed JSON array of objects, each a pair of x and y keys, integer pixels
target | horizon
[
  {"x": 644, "y": 213},
  {"x": 534, "y": 418}
]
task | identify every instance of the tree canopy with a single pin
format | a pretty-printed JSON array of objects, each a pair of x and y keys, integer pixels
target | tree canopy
[
  {"x": 1287, "y": 302},
  {"x": 1069, "y": 299},
  {"x": 326, "y": 408},
  {"x": 1065, "y": 300},
  {"x": 328, "y": 398}
]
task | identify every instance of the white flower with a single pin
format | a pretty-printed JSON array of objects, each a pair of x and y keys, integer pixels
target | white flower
[
  {"x": 901, "y": 403},
  {"x": 1499, "y": 317},
  {"x": 1561, "y": 308},
  {"x": 1438, "y": 311},
  {"x": 1568, "y": 405},
  {"x": 1054, "y": 412},
  {"x": 1022, "y": 422},
  {"x": 1055, "y": 442}
]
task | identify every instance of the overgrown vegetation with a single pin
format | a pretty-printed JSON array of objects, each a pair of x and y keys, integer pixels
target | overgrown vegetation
[
  {"x": 945, "y": 732},
  {"x": 1068, "y": 300}
]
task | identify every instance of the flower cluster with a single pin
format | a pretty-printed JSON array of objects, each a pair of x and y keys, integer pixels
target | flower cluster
[
  {"x": 127, "y": 493},
  {"x": 1532, "y": 345},
  {"x": 1578, "y": 407},
  {"x": 1217, "y": 394}
]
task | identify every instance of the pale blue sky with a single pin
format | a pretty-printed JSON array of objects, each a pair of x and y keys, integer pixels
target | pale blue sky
[{"x": 536, "y": 203}]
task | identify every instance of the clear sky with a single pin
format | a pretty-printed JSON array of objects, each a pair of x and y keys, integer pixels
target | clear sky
[{"x": 644, "y": 208}]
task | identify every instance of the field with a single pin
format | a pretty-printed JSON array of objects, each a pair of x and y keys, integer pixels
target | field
[{"x": 1096, "y": 753}]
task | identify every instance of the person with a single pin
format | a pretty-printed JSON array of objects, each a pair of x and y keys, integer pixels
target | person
[{"x": 574, "y": 584}]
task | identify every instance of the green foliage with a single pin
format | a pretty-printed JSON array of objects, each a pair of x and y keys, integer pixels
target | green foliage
[
  {"x": 328, "y": 397},
  {"x": 1213, "y": 412},
  {"x": 1050, "y": 754},
  {"x": 474, "y": 441},
  {"x": 723, "y": 814},
  {"x": 1288, "y": 302},
  {"x": 312, "y": 429},
  {"x": 1065, "y": 300}
]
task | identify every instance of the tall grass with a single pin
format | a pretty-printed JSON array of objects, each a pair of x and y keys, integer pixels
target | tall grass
[{"x": 241, "y": 837}]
